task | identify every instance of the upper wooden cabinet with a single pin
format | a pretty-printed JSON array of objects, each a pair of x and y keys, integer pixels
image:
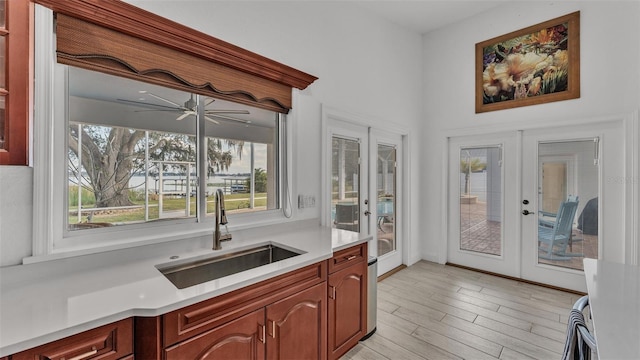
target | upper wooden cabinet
[{"x": 16, "y": 18}]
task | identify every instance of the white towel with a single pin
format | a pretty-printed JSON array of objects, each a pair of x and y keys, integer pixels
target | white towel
[{"x": 575, "y": 348}]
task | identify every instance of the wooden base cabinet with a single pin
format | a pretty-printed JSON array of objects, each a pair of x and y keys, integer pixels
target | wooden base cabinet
[
  {"x": 109, "y": 342},
  {"x": 347, "y": 298},
  {"x": 315, "y": 313},
  {"x": 281, "y": 318},
  {"x": 297, "y": 326},
  {"x": 243, "y": 338}
]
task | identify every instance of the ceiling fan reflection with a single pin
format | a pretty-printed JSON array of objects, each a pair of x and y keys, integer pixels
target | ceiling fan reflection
[{"x": 189, "y": 109}]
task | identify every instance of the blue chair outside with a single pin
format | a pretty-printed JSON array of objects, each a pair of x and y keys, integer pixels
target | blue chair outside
[
  {"x": 553, "y": 240},
  {"x": 548, "y": 218}
]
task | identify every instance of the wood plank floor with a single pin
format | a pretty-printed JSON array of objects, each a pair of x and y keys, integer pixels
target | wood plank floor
[{"x": 433, "y": 311}]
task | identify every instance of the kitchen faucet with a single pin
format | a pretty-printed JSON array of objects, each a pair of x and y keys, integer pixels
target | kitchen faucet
[{"x": 221, "y": 219}]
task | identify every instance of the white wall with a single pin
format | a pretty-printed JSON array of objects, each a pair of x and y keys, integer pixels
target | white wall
[
  {"x": 16, "y": 208},
  {"x": 610, "y": 82},
  {"x": 365, "y": 65}
]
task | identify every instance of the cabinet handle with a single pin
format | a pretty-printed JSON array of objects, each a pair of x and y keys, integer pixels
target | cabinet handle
[
  {"x": 85, "y": 355},
  {"x": 273, "y": 329},
  {"x": 351, "y": 257},
  {"x": 332, "y": 295},
  {"x": 263, "y": 329}
]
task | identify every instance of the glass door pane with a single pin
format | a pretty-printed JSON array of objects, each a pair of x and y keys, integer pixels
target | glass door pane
[
  {"x": 3, "y": 70},
  {"x": 480, "y": 200},
  {"x": 386, "y": 194},
  {"x": 568, "y": 195},
  {"x": 2, "y": 123},
  {"x": 345, "y": 180}
]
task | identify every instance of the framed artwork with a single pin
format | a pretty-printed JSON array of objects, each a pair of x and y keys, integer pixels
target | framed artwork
[{"x": 535, "y": 65}]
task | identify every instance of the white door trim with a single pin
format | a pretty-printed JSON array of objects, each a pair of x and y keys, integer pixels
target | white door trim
[
  {"x": 631, "y": 176},
  {"x": 330, "y": 114}
]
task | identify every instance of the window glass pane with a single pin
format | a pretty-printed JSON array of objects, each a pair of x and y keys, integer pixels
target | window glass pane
[
  {"x": 481, "y": 200},
  {"x": 2, "y": 122},
  {"x": 242, "y": 150},
  {"x": 231, "y": 166},
  {"x": 139, "y": 153},
  {"x": 3, "y": 62},
  {"x": 386, "y": 188},
  {"x": 3, "y": 12},
  {"x": 568, "y": 198},
  {"x": 345, "y": 178}
]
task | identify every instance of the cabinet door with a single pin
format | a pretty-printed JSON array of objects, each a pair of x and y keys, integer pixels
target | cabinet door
[
  {"x": 297, "y": 326},
  {"x": 347, "y": 308},
  {"x": 242, "y": 338},
  {"x": 16, "y": 21}
]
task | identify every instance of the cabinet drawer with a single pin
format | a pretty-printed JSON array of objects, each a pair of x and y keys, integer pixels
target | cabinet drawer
[
  {"x": 345, "y": 258},
  {"x": 112, "y": 341},
  {"x": 195, "y": 319}
]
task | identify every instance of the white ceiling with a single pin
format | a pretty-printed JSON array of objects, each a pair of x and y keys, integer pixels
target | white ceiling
[{"x": 423, "y": 16}]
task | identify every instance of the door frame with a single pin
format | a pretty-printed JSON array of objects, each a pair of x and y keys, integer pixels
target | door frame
[
  {"x": 346, "y": 130},
  {"x": 332, "y": 115},
  {"x": 612, "y": 197},
  {"x": 508, "y": 262},
  {"x": 629, "y": 179},
  {"x": 389, "y": 261}
]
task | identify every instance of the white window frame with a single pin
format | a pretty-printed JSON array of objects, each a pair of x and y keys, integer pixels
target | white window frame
[{"x": 49, "y": 175}]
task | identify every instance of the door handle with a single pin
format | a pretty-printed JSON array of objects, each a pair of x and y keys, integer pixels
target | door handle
[
  {"x": 526, "y": 212},
  {"x": 367, "y": 213}
]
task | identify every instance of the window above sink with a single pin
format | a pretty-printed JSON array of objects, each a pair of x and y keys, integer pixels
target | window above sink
[{"x": 123, "y": 162}]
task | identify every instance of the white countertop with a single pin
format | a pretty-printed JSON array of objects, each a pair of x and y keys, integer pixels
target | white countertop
[
  {"x": 614, "y": 298},
  {"x": 48, "y": 301}
]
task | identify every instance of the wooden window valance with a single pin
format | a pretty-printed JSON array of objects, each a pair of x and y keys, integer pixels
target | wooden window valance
[{"x": 120, "y": 39}]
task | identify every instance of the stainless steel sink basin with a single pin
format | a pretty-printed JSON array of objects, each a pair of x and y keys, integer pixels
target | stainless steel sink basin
[{"x": 185, "y": 274}]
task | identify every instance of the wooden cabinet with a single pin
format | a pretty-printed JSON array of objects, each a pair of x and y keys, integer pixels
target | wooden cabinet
[
  {"x": 316, "y": 312},
  {"x": 297, "y": 326},
  {"x": 243, "y": 338},
  {"x": 16, "y": 20},
  {"x": 347, "y": 257},
  {"x": 289, "y": 310},
  {"x": 347, "y": 300},
  {"x": 109, "y": 342}
]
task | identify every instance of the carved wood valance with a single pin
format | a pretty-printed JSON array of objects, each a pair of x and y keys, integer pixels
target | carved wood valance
[{"x": 117, "y": 38}]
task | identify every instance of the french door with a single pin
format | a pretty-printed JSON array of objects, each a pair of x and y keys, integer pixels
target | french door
[
  {"x": 529, "y": 204},
  {"x": 364, "y": 187},
  {"x": 482, "y": 200},
  {"x": 349, "y": 178},
  {"x": 567, "y": 201},
  {"x": 385, "y": 192}
]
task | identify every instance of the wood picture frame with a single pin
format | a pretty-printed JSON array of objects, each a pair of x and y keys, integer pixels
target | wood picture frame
[{"x": 531, "y": 66}]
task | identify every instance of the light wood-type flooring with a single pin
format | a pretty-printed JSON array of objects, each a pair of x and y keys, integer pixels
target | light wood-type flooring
[{"x": 433, "y": 311}]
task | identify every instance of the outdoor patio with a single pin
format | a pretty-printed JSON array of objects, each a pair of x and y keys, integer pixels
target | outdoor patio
[{"x": 481, "y": 235}]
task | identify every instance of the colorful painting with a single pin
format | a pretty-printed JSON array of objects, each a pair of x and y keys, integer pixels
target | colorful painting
[{"x": 531, "y": 66}]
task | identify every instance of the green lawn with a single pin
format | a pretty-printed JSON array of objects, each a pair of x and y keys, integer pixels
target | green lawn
[{"x": 232, "y": 203}]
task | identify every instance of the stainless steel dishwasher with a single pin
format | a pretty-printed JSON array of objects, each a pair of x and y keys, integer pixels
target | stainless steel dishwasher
[{"x": 372, "y": 296}]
